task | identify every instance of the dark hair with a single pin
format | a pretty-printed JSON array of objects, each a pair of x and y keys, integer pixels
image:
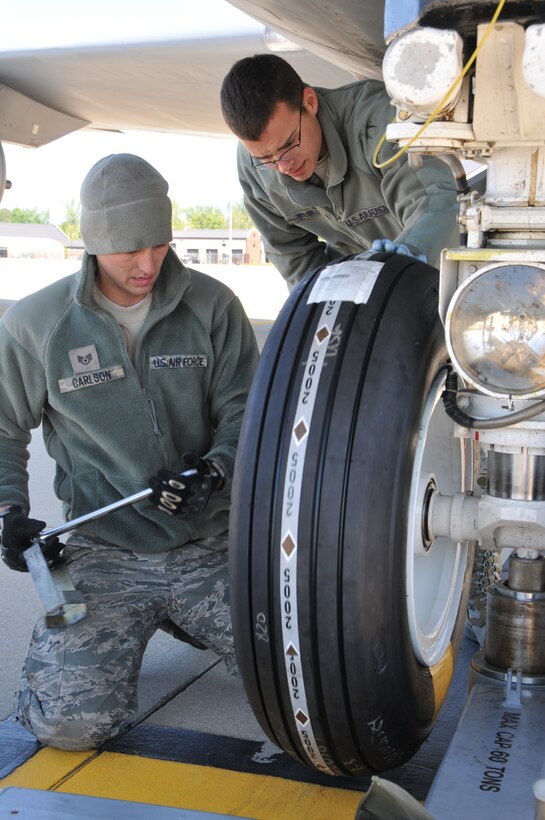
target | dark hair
[{"x": 252, "y": 89}]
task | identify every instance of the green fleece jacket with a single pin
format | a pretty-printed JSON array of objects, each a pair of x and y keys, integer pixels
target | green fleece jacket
[
  {"x": 110, "y": 425},
  {"x": 304, "y": 226}
]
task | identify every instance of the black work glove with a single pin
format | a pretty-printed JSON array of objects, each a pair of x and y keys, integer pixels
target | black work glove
[
  {"x": 186, "y": 493},
  {"x": 18, "y": 532}
]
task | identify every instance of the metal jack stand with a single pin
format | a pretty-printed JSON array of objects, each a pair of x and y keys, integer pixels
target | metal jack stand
[
  {"x": 494, "y": 764},
  {"x": 496, "y": 755}
]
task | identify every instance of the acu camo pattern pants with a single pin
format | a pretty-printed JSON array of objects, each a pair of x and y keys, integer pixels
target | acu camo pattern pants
[{"x": 79, "y": 684}]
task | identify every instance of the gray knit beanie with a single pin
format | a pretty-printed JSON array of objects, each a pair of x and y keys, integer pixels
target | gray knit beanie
[{"x": 124, "y": 206}]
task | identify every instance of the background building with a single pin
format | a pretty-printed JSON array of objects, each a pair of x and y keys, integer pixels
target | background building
[
  {"x": 25, "y": 240},
  {"x": 218, "y": 246}
]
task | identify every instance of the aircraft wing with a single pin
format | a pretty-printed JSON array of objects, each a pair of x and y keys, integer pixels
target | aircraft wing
[
  {"x": 149, "y": 86},
  {"x": 347, "y": 33}
]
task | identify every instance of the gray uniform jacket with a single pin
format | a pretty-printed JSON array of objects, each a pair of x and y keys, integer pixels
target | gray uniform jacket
[
  {"x": 304, "y": 226},
  {"x": 110, "y": 425}
]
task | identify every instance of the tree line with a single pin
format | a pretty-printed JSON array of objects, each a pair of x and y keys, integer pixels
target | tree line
[{"x": 198, "y": 217}]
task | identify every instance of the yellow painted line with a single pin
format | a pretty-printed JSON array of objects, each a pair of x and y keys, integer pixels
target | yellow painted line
[
  {"x": 180, "y": 785},
  {"x": 46, "y": 768},
  {"x": 203, "y": 788}
]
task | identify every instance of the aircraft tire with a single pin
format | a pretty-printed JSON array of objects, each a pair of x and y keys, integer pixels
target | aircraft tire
[{"x": 344, "y": 646}]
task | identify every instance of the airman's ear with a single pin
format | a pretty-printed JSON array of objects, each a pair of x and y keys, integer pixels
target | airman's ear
[{"x": 310, "y": 100}]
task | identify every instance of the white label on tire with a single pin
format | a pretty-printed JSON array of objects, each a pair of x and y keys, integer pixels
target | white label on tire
[
  {"x": 350, "y": 281},
  {"x": 290, "y": 531}
]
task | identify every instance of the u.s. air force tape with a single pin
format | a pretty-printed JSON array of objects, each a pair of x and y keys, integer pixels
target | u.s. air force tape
[{"x": 178, "y": 360}]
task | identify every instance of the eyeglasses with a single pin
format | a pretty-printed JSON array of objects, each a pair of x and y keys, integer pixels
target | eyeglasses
[{"x": 285, "y": 156}]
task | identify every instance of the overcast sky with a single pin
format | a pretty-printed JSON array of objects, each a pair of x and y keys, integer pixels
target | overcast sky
[
  {"x": 200, "y": 171},
  {"x": 39, "y": 24}
]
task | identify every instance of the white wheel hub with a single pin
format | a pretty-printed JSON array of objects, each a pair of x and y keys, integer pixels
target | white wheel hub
[{"x": 435, "y": 569}]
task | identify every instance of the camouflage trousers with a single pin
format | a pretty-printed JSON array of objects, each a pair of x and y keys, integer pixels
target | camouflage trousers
[{"x": 79, "y": 684}]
